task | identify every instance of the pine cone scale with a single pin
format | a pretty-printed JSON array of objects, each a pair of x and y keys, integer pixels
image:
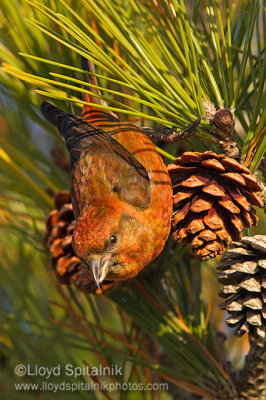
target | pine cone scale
[
  {"x": 180, "y": 196},
  {"x": 214, "y": 189},
  {"x": 232, "y": 176},
  {"x": 227, "y": 203},
  {"x": 200, "y": 203},
  {"x": 239, "y": 198},
  {"x": 213, "y": 163}
]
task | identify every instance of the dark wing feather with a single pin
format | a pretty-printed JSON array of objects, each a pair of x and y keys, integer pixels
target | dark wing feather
[{"x": 81, "y": 136}]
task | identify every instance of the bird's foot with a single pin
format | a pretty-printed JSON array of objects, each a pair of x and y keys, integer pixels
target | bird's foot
[{"x": 171, "y": 134}]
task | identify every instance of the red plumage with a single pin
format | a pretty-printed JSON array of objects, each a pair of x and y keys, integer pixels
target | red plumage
[{"x": 121, "y": 192}]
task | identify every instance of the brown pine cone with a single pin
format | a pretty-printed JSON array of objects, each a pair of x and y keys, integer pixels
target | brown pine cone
[
  {"x": 252, "y": 379},
  {"x": 213, "y": 197},
  {"x": 67, "y": 267},
  {"x": 243, "y": 274}
]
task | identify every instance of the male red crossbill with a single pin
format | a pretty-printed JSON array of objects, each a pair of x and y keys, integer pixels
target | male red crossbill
[{"x": 121, "y": 192}]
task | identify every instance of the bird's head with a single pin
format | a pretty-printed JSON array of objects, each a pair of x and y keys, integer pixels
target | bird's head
[{"x": 111, "y": 240}]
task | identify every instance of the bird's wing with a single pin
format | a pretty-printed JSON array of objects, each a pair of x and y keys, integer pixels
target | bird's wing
[{"x": 83, "y": 138}]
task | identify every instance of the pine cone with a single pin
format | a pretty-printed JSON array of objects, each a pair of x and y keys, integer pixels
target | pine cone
[
  {"x": 212, "y": 200},
  {"x": 67, "y": 267},
  {"x": 252, "y": 379},
  {"x": 243, "y": 274}
]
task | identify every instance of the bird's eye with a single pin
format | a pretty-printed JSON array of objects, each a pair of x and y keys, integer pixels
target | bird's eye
[
  {"x": 113, "y": 239},
  {"x": 116, "y": 189}
]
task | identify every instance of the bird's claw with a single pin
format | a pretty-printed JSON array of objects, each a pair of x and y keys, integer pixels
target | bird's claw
[{"x": 171, "y": 134}]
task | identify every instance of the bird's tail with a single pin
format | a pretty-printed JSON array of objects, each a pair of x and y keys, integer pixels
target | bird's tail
[
  {"x": 52, "y": 113},
  {"x": 76, "y": 131},
  {"x": 62, "y": 120}
]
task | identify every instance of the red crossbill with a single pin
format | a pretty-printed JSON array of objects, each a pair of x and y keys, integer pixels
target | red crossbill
[{"x": 121, "y": 192}]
